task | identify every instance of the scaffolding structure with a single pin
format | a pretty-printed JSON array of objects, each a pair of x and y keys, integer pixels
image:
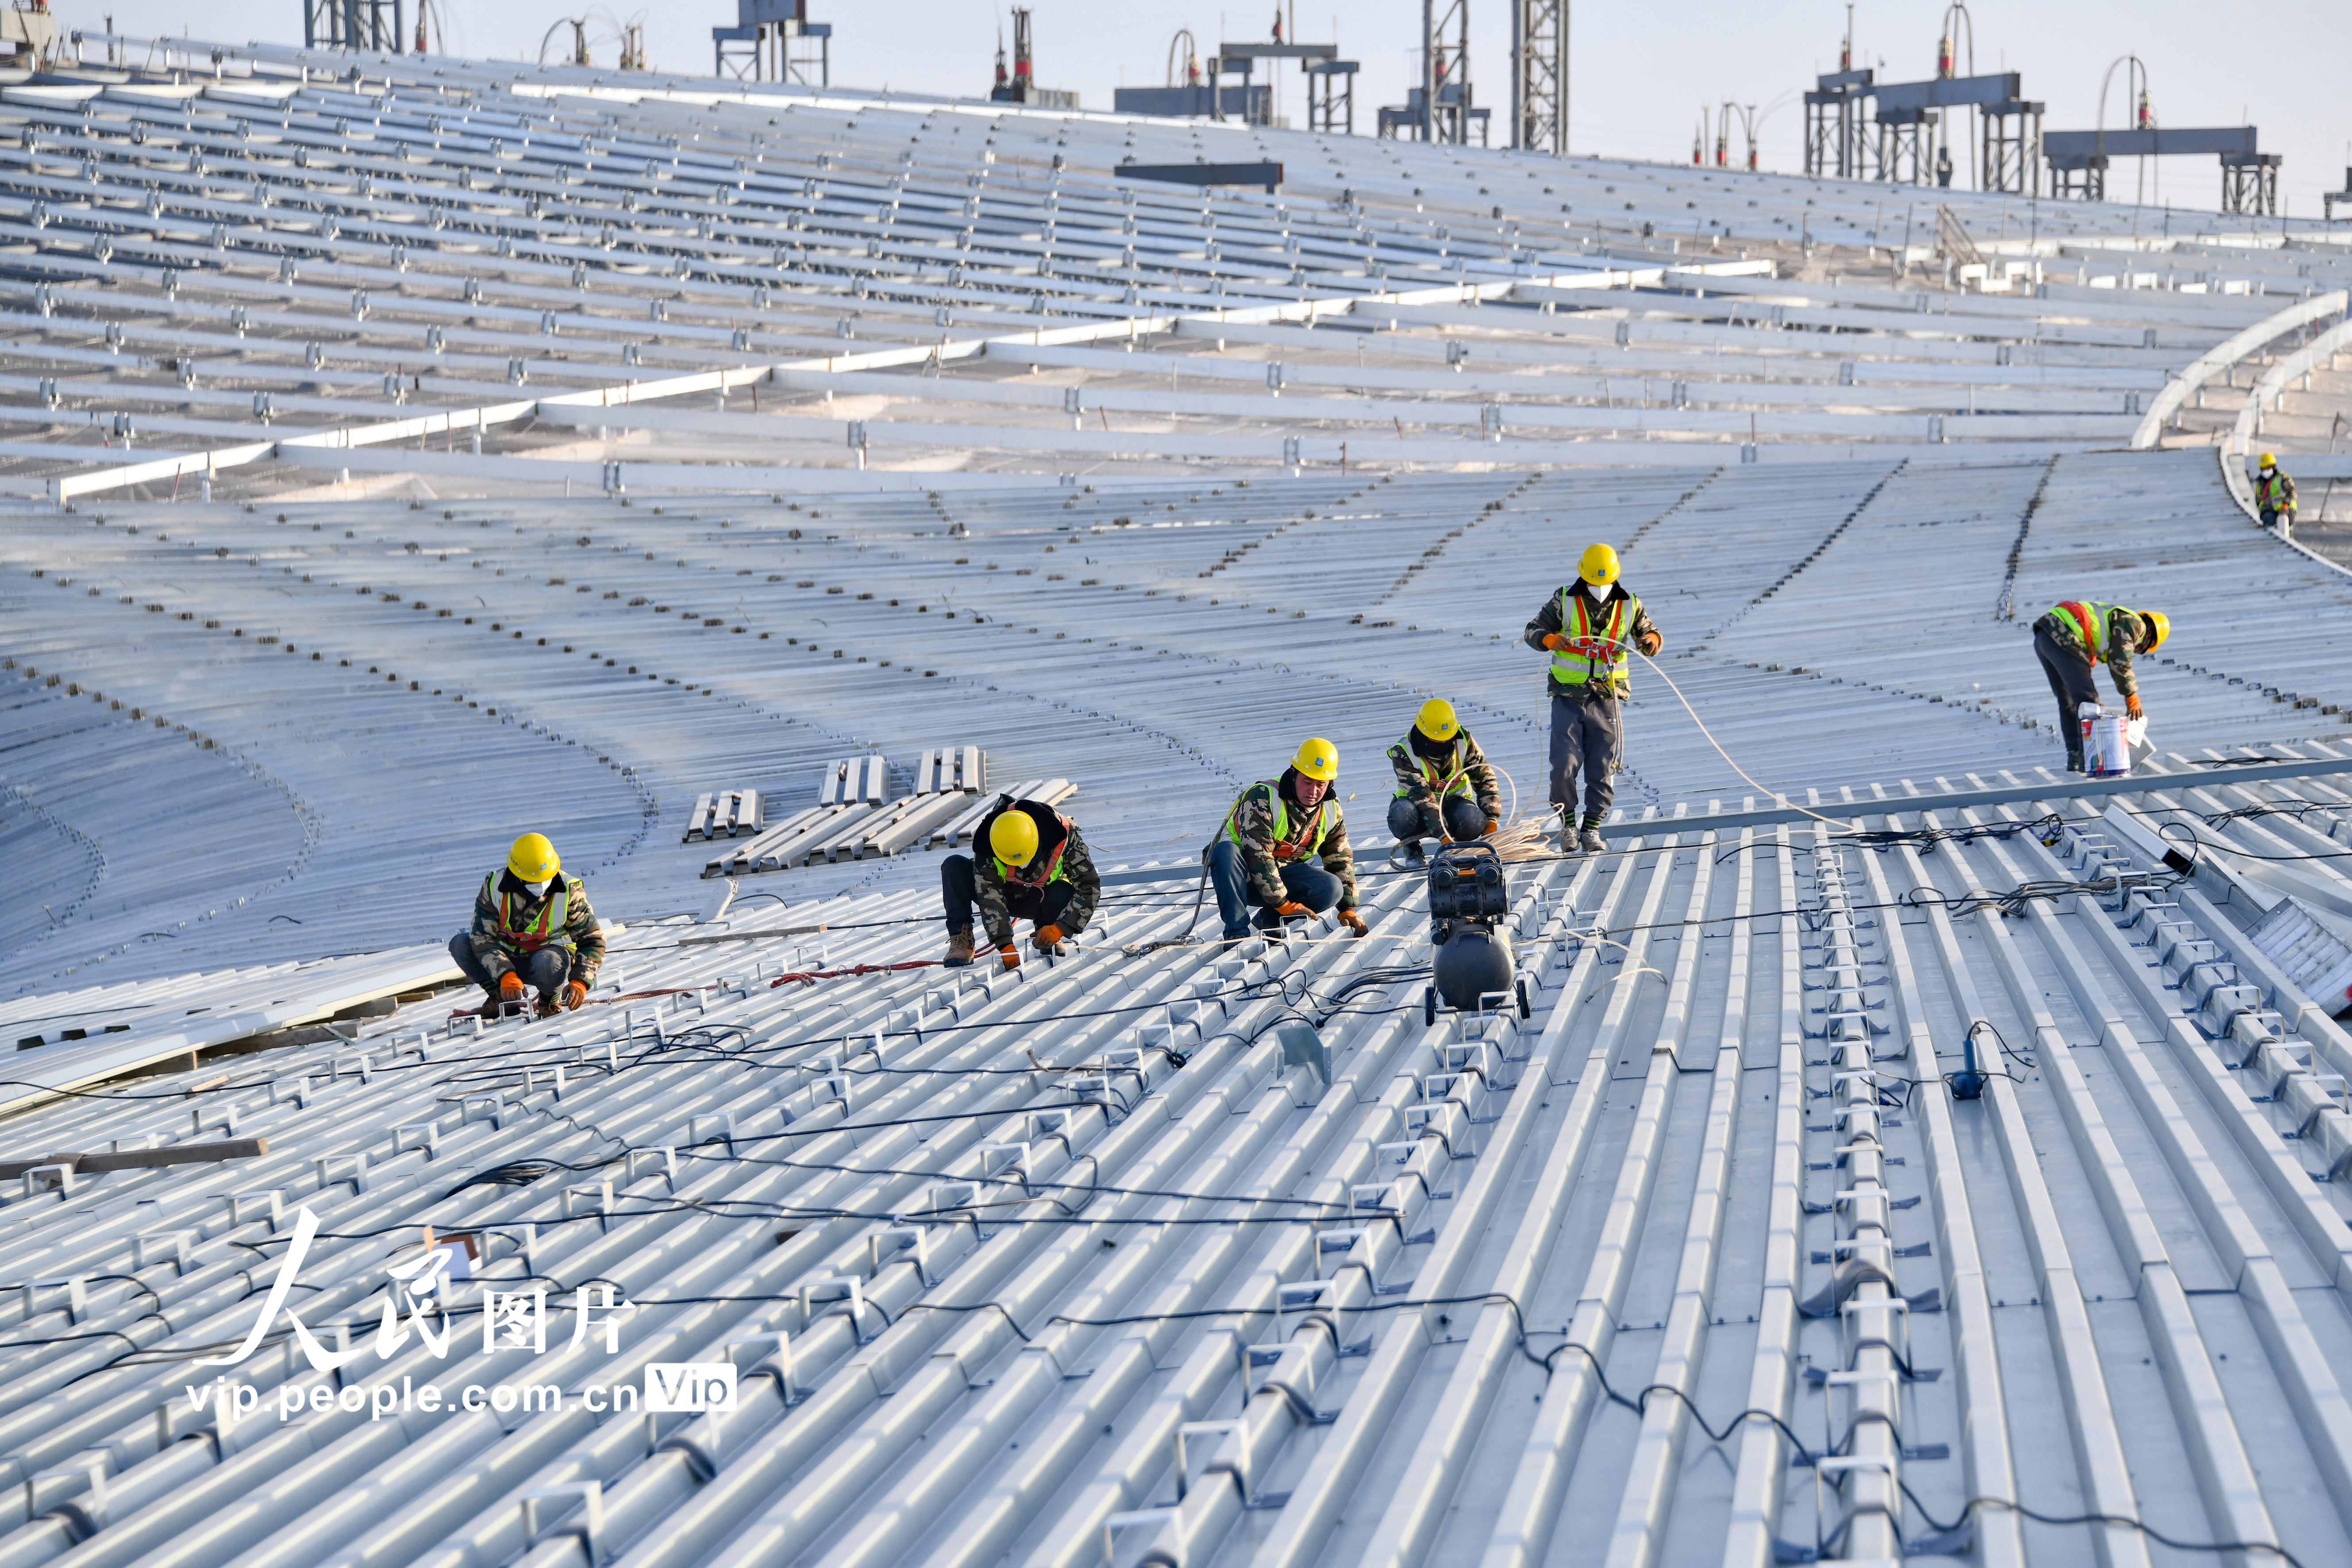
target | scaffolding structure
[
  {"x": 1331, "y": 83},
  {"x": 774, "y": 40},
  {"x": 1539, "y": 76},
  {"x": 1443, "y": 108},
  {"x": 354, "y": 25},
  {"x": 2079, "y": 161}
]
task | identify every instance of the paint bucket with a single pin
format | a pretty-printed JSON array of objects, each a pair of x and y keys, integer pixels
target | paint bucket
[{"x": 2107, "y": 741}]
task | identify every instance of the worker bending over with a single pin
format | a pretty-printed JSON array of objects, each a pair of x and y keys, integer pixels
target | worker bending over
[
  {"x": 2274, "y": 497},
  {"x": 1035, "y": 868},
  {"x": 1446, "y": 787},
  {"x": 531, "y": 926},
  {"x": 1258, "y": 861},
  {"x": 1586, "y": 627},
  {"x": 2074, "y": 637}
]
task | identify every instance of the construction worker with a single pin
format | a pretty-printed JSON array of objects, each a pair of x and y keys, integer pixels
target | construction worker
[
  {"x": 2274, "y": 497},
  {"x": 1036, "y": 868},
  {"x": 1586, "y": 627},
  {"x": 531, "y": 926},
  {"x": 1258, "y": 858},
  {"x": 2079, "y": 634},
  {"x": 1446, "y": 787}
]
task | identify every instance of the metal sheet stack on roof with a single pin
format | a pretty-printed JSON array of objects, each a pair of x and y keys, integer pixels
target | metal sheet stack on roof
[{"x": 1701, "y": 1259}]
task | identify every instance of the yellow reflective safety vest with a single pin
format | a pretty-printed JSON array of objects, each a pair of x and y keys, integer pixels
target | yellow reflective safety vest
[
  {"x": 1594, "y": 648},
  {"x": 2090, "y": 622},
  {"x": 1293, "y": 840},
  {"x": 1448, "y": 775},
  {"x": 542, "y": 930}
]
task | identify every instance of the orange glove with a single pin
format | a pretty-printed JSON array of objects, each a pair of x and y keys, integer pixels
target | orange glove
[
  {"x": 575, "y": 992},
  {"x": 1290, "y": 909},
  {"x": 1554, "y": 641},
  {"x": 2132, "y": 707},
  {"x": 1493, "y": 824},
  {"x": 1354, "y": 922},
  {"x": 1010, "y": 955},
  {"x": 510, "y": 988},
  {"x": 1653, "y": 643}
]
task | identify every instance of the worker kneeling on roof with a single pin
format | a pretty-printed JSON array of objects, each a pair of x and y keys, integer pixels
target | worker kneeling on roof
[
  {"x": 1258, "y": 861},
  {"x": 1586, "y": 627},
  {"x": 531, "y": 926},
  {"x": 1446, "y": 787},
  {"x": 1036, "y": 868},
  {"x": 2074, "y": 637}
]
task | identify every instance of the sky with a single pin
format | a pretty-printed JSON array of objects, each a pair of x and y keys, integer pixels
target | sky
[{"x": 1639, "y": 75}]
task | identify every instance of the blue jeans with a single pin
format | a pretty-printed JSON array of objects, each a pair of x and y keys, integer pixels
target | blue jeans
[
  {"x": 544, "y": 971},
  {"x": 1309, "y": 885}
]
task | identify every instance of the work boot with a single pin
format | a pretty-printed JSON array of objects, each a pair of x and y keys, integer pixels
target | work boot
[
  {"x": 1588, "y": 838},
  {"x": 1414, "y": 855},
  {"x": 1567, "y": 829},
  {"x": 959, "y": 949},
  {"x": 491, "y": 1008}
]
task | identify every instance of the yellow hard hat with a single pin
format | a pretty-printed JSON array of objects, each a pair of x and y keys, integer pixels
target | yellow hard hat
[
  {"x": 1014, "y": 837},
  {"x": 533, "y": 858},
  {"x": 1436, "y": 719},
  {"x": 2269, "y": 461},
  {"x": 2161, "y": 623},
  {"x": 1318, "y": 759},
  {"x": 1599, "y": 566}
]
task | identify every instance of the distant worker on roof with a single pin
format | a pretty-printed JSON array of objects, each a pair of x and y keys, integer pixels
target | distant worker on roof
[
  {"x": 531, "y": 926},
  {"x": 2274, "y": 497},
  {"x": 1446, "y": 786},
  {"x": 1587, "y": 627},
  {"x": 2075, "y": 636},
  {"x": 1258, "y": 861},
  {"x": 1029, "y": 864}
]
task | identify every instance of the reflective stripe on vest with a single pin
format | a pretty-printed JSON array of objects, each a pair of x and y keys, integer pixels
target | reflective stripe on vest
[
  {"x": 2090, "y": 620},
  {"x": 1586, "y": 652},
  {"x": 547, "y": 927},
  {"x": 1286, "y": 845},
  {"x": 1448, "y": 776},
  {"x": 2270, "y": 494}
]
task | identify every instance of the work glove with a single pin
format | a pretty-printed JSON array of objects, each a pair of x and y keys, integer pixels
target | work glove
[
  {"x": 575, "y": 992},
  {"x": 1011, "y": 954},
  {"x": 1291, "y": 909},
  {"x": 1492, "y": 824},
  {"x": 1650, "y": 645},
  {"x": 2132, "y": 707},
  {"x": 1354, "y": 922},
  {"x": 509, "y": 989},
  {"x": 1554, "y": 641},
  {"x": 1048, "y": 939}
]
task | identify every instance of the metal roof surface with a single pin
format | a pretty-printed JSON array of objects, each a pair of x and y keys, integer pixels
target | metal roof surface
[{"x": 1700, "y": 1259}]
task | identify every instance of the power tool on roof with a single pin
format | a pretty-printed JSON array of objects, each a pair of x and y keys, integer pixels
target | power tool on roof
[{"x": 1469, "y": 895}]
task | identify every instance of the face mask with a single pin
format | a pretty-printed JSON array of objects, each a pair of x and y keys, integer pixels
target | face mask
[{"x": 540, "y": 886}]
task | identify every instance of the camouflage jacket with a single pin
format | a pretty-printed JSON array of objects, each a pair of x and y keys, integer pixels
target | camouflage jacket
[
  {"x": 1546, "y": 624},
  {"x": 1473, "y": 775},
  {"x": 1056, "y": 836},
  {"x": 500, "y": 946},
  {"x": 2124, "y": 631},
  {"x": 1252, "y": 826}
]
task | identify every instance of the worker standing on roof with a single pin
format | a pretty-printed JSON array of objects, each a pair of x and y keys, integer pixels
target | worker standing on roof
[
  {"x": 2074, "y": 637},
  {"x": 1258, "y": 859},
  {"x": 531, "y": 926},
  {"x": 1586, "y": 627},
  {"x": 1446, "y": 787},
  {"x": 1035, "y": 868},
  {"x": 2274, "y": 497}
]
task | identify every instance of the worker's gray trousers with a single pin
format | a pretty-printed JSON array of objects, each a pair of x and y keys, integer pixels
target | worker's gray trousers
[
  {"x": 1588, "y": 734},
  {"x": 546, "y": 970}
]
